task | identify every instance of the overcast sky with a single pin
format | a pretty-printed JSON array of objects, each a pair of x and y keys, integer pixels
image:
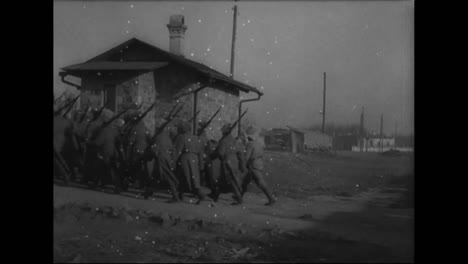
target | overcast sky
[{"x": 282, "y": 48}]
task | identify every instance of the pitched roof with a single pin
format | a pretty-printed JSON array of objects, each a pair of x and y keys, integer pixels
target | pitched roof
[
  {"x": 165, "y": 56},
  {"x": 114, "y": 65},
  {"x": 295, "y": 129}
]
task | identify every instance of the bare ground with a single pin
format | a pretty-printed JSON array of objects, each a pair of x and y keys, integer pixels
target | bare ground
[{"x": 372, "y": 224}]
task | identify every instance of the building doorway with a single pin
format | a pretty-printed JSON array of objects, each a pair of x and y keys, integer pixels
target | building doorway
[{"x": 109, "y": 96}]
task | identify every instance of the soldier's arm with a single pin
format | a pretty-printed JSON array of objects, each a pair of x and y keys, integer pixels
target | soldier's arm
[
  {"x": 248, "y": 152},
  {"x": 241, "y": 157}
]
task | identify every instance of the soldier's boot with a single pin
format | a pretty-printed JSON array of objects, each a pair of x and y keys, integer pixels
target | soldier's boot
[
  {"x": 181, "y": 196},
  {"x": 264, "y": 187},
  {"x": 214, "y": 195},
  {"x": 269, "y": 195},
  {"x": 147, "y": 193},
  {"x": 116, "y": 182},
  {"x": 237, "y": 197},
  {"x": 175, "y": 195},
  {"x": 245, "y": 184},
  {"x": 201, "y": 195}
]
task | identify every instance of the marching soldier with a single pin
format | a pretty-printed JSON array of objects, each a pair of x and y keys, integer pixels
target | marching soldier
[
  {"x": 162, "y": 150},
  {"x": 254, "y": 159},
  {"x": 189, "y": 160},
  {"x": 136, "y": 152},
  {"x": 106, "y": 144},
  {"x": 203, "y": 139},
  {"x": 90, "y": 131},
  {"x": 228, "y": 151},
  {"x": 213, "y": 171},
  {"x": 63, "y": 136}
]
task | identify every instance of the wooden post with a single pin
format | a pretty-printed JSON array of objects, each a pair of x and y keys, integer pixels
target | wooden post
[
  {"x": 381, "y": 133},
  {"x": 233, "y": 44},
  {"x": 324, "y": 95}
]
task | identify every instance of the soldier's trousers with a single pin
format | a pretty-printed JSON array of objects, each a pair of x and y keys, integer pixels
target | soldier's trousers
[
  {"x": 257, "y": 176},
  {"x": 163, "y": 168},
  {"x": 189, "y": 173},
  {"x": 232, "y": 177}
]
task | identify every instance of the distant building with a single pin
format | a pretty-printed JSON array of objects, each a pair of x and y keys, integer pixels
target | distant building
[
  {"x": 315, "y": 140},
  {"x": 345, "y": 142},
  {"x": 373, "y": 144},
  {"x": 284, "y": 139}
]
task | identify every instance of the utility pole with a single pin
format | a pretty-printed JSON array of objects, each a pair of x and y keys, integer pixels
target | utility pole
[
  {"x": 234, "y": 24},
  {"x": 324, "y": 95},
  {"x": 394, "y": 143},
  {"x": 361, "y": 148},
  {"x": 381, "y": 133}
]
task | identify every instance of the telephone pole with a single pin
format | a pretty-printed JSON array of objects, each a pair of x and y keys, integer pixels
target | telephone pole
[
  {"x": 324, "y": 95},
  {"x": 381, "y": 133},
  {"x": 394, "y": 143},
  {"x": 233, "y": 46},
  {"x": 361, "y": 148}
]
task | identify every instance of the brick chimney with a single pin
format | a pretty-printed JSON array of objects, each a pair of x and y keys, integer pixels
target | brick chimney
[{"x": 177, "y": 30}]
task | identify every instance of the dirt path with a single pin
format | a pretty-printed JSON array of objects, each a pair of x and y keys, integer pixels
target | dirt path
[{"x": 89, "y": 225}]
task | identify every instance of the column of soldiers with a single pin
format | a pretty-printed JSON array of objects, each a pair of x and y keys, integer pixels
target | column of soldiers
[{"x": 107, "y": 148}]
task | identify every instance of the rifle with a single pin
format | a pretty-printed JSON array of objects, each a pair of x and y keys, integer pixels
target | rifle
[
  {"x": 168, "y": 120},
  {"x": 131, "y": 121},
  {"x": 63, "y": 107},
  {"x": 172, "y": 110},
  {"x": 115, "y": 117},
  {"x": 191, "y": 119},
  {"x": 84, "y": 114},
  {"x": 99, "y": 112},
  {"x": 58, "y": 98},
  {"x": 71, "y": 105},
  {"x": 216, "y": 152},
  {"x": 233, "y": 125},
  {"x": 208, "y": 123},
  {"x": 135, "y": 121}
]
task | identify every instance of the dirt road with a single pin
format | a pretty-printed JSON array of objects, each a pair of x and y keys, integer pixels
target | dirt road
[{"x": 94, "y": 226}]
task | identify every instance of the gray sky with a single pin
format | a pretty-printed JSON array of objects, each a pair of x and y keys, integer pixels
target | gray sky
[{"x": 283, "y": 48}]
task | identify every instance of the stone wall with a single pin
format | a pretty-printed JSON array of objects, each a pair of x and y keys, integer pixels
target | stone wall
[
  {"x": 164, "y": 86},
  {"x": 209, "y": 101},
  {"x": 89, "y": 93}
]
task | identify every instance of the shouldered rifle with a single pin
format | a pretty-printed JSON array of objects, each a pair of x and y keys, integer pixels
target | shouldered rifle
[
  {"x": 84, "y": 114},
  {"x": 66, "y": 104},
  {"x": 172, "y": 110},
  {"x": 130, "y": 121},
  {"x": 191, "y": 119},
  {"x": 234, "y": 125},
  {"x": 168, "y": 120},
  {"x": 98, "y": 114},
  {"x": 208, "y": 122},
  {"x": 135, "y": 121},
  {"x": 70, "y": 107},
  {"x": 216, "y": 152},
  {"x": 58, "y": 98},
  {"x": 115, "y": 117}
]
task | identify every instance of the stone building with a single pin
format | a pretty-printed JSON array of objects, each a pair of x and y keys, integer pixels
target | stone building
[{"x": 137, "y": 72}]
